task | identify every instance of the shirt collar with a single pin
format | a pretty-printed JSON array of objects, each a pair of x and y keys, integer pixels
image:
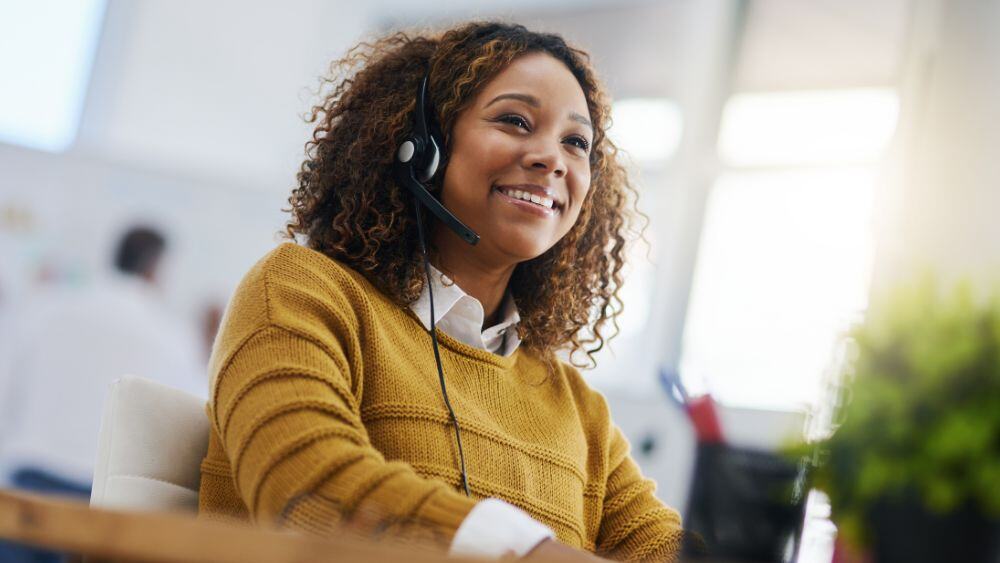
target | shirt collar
[
  {"x": 446, "y": 295},
  {"x": 461, "y": 315}
]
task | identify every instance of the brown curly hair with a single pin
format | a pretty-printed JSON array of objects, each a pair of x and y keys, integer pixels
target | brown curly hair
[{"x": 348, "y": 206}]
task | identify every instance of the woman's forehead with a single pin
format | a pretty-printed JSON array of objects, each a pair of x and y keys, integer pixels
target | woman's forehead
[{"x": 540, "y": 76}]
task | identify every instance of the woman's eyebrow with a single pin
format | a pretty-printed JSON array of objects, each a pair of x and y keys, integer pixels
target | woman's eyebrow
[
  {"x": 581, "y": 119},
  {"x": 526, "y": 98},
  {"x": 533, "y": 102}
]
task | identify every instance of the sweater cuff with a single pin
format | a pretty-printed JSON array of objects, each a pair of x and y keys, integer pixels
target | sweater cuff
[{"x": 496, "y": 529}]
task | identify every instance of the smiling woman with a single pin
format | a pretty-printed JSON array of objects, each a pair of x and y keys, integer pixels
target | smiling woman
[
  {"x": 326, "y": 408},
  {"x": 348, "y": 206}
]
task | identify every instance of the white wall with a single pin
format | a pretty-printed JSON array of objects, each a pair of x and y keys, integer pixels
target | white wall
[
  {"x": 213, "y": 90},
  {"x": 940, "y": 212},
  {"x": 77, "y": 207}
]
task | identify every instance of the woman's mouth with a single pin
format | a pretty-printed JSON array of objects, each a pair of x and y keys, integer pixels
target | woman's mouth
[{"x": 531, "y": 202}]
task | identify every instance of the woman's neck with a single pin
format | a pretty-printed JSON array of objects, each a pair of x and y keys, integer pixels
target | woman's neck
[{"x": 478, "y": 278}]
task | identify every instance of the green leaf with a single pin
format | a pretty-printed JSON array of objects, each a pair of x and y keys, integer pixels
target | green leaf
[{"x": 924, "y": 408}]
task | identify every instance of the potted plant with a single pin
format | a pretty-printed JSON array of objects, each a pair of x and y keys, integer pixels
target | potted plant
[{"x": 913, "y": 470}]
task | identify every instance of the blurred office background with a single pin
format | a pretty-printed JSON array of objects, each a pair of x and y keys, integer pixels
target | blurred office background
[{"x": 794, "y": 157}]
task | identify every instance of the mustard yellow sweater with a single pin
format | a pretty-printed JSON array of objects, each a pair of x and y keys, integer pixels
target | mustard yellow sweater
[{"x": 326, "y": 412}]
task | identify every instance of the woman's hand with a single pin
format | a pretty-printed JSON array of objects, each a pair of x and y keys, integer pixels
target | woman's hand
[{"x": 555, "y": 552}]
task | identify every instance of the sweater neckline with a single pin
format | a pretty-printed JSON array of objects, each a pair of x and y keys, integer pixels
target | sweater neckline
[
  {"x": 459, "y": 347},
  {"x": 416, "y": 325}
]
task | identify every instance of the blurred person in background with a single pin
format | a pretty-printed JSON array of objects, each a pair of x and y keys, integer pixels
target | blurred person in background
[
  {"x": 67, "y": 345},
  {"x": 328, "y": 409}
]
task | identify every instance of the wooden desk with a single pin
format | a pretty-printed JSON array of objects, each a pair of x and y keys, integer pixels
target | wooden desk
[
  {"x": 73, "y": 526},
  {"x": 152, "y": 537}
]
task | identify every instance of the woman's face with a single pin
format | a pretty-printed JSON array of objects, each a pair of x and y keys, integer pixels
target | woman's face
[{"x": 526, "y": 135}]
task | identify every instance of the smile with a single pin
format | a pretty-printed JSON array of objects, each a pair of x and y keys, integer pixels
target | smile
[
  {"x": 540, "y": 205},
  {"x": 526, "y": 196}
]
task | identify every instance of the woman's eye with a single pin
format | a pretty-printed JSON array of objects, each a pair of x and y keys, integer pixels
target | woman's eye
[
  {"x": 579, "y": 142},
  {"x": 515, "y": 120}
]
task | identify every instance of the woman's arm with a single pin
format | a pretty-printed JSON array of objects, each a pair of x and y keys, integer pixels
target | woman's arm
[
  {"x": 285, "y": 404},
  {"x": 635, "y": 525},
  {"x": 300, "y": 455}
]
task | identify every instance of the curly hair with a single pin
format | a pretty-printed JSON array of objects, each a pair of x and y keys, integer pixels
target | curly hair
[{"x": 348, "y": 206}]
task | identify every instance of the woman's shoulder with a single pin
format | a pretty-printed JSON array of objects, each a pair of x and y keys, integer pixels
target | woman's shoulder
[
  {"x": 590, "y": 401},
  {"x": 292, "y": 263},
  {"x": 292, "y": 285},
  {"x": 291, "y": 268}
]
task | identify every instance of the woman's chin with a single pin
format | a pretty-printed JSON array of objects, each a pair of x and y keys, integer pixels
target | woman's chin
[
  {"x": 522, "y": 252},
  {"x": 513, "y": 243}
]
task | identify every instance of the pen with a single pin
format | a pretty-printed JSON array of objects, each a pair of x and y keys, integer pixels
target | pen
[{"x": 701, "y": 410}]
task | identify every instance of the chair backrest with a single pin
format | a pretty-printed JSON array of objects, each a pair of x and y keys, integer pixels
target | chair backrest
[{"x": 152, "y": 441}]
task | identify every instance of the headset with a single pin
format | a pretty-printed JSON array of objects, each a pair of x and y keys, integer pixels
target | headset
[{"x": 417, "y": 159}]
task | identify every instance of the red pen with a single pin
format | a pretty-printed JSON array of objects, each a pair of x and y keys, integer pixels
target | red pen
[{"x": 701, "y": 410}]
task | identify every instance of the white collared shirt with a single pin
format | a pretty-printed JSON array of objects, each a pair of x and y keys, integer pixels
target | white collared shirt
[
  {"x": 76, "y": 341},
  {"x": 461, "y": 316},
  {"x": 493, "y": 528}
]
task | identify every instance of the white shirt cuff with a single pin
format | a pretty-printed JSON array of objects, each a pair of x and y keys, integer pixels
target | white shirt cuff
[{"x": 494, "y": 528}]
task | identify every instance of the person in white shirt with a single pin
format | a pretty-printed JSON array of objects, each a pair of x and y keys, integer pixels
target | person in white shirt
[{"x": 67, "y": 345}]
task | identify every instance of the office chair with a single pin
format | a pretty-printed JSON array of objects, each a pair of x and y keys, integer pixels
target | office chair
[{"x": 152, "y": 441}]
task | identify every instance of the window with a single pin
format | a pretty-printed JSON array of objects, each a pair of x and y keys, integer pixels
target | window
[
  {"x": 46, "y": 51},
  {"x": 786, "y": 246},
  {"x": 647, "y": 129}
]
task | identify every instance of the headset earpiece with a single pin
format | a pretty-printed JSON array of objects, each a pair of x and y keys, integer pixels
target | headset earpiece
[
  {"x": 409, "y": 150},
  {"x": 434, "y": 158}
]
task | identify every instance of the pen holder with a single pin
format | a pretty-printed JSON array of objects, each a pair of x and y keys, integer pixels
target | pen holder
[{"x": 745, "y": 505}]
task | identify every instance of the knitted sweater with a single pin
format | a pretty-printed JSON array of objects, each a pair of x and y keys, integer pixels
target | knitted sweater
[{"x": 326, "y": 413}]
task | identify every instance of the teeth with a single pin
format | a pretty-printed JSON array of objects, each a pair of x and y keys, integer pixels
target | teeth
[{"x": 526, "y": 196}]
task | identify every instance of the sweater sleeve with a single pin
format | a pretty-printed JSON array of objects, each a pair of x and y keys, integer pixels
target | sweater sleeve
[
  {"x": 285, "y": 409},
  {"x": 635, "y": 525}
]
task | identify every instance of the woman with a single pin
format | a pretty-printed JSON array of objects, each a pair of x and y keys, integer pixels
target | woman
[{"x": 333, "y": 407}]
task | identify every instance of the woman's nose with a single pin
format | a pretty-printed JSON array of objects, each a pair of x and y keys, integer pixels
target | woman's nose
[{"x": 545, "y": 156}]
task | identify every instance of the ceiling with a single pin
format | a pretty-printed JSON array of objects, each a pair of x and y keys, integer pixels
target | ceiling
[{"x": 216, "y": 90}]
